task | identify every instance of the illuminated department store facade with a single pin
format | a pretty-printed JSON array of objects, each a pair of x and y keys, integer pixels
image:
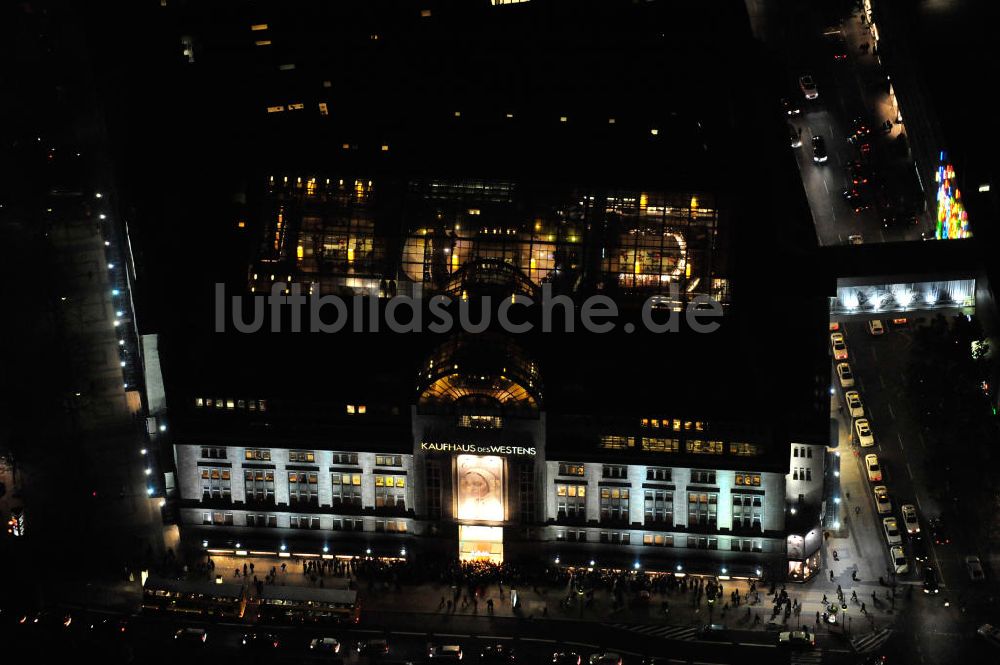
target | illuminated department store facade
[{"x": 473, "y": 465}]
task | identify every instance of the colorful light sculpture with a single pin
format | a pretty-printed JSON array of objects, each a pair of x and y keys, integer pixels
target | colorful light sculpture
[{"x": 952, "y": 218}]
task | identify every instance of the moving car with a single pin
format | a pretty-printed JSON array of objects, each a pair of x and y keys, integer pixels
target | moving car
[
  {"x": 838, "y": 46},
  {"x": 324, "y": 645},
  {"x": 566, "y": 658},
  {"x": 860, "y": 174},
  {"x": 854, "y": 405},
  {"x": 790, "y": 108},
  {"x": 373, "y": 647},
  {"x": 891, "y": 528},
  {"x": 497, "y": 654},
  {"x": 875, "y": 327},
  {"x": 975, "y": 568},
  {"x": 989, "y": 633},
  {"x": 859, "y": 127},
  {"x": 795, "y": 136},
  {"x": 857, "y": 200},
  {"x": 191, "y": 636},
  {"x": 605, "y": 658},
  {"x": 882, "y": 502},
  {"x": 808, "y": 86},
  {"x": 797, "y": 638},
  {"x": 838, "y": 345},
  {"x": 108, "y": 628},
  {"x": 863, "y": 430},
  {"x": 931, "y": 580},
  {"x": 845, "y": 375},
  {"x": 899, "y": 562},
  {"x": 444, "y": 651},
  {"x": 834, "y": 326},
  {"x": 874, "y": 470},
  {"x": 910, "y": 520},
  {"x": 939, "y": 534},
  {"x": 819, "y": 149},
  {"x": 260, "y": 640},
  {"x": 918, "y": 548},
  {"x": 856, "y": 239}
]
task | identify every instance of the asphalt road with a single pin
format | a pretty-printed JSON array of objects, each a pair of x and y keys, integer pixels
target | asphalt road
[
  {"x": 150, "y": 639},
  {"x": 930, "y": 631},
  {"x": 849, "y": 88}
]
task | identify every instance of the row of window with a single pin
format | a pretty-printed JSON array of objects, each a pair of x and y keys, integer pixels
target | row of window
[
  {"x": 300, "y": 456},
  {"x": 662, "y": 540},
  {"x": 305, "y": 522},
  {"x": 657, "y": 473},
  {"x": 658, "y": 506},
  {"x": 672, "y": 445},
  {"x": 303, "y": 487},
  {"x": 231, "y": 404}
]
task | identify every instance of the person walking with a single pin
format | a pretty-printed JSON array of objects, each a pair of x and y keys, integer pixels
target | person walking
[{"x": 863, "y": 609}]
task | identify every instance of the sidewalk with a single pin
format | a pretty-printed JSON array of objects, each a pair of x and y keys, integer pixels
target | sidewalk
[{"x": 547, "y": 602}]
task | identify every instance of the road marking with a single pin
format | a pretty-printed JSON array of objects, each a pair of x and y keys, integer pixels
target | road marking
[
  {"x": 909, "y": 470},
  {"x": 917, "y": 497},
  {"x": 756, "y": 644},
  {"x": 435, "y": 634},
  {"x": 825, "y": 186},
  {"x": 920, "y": 436},
  {"x": 539, "y": 639},
  {"x": 874, "y": 354},
  {"x": 901, "y": 446},
  {"x": 404, "y": 632},
  {"x": 891, "y": 412},
  {"x": 881, "y": 380}
]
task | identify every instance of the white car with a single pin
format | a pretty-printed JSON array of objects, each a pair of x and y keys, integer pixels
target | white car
[
  {"x": 606, "y": 658},
  {"x": 891, "y": 529},
  {"x": 882, "y": 502},
  {"x": 845, "y": 375},
  {"x": 444, "y": 651},
  {"x": 874, "y": 470},
  {"x": 324, "y": 645},
  {"x": 899, "y": 561},
  {"x": 839, "y": 346},
  {"x": 854, "y": 405},
  {"x": 797, "y": 638},
  {"x": 863, "y": 430},
  {"x": 975, "y": 568},
  {"x": 910, "y": 520},
  {"x": 808, "y": 86},
  {"x": 875, "y": 327}
]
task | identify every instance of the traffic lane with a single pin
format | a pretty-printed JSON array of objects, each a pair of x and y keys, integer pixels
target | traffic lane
[
  {"x": 151, "y": 639},
  {"x": 902, "y": 449}
]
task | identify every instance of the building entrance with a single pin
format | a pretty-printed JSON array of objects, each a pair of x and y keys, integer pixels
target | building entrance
[{"x": 480, "y": 543}]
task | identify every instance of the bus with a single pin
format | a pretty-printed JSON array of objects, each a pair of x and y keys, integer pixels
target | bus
[
  {"x": 303, "y": 605},
  {"x": 193, "y": 597}
]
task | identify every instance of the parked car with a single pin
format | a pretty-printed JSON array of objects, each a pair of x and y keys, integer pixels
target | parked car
[
  {"x": 873, "y": 468},
  {"x": 845, "y": 375},
  {"x": 191, "y": 636},
  {"x": 863, "y": 430},
  {"x": 882, "y": 502},
  {"x": 891, "y": 528},
  {"x": 566, "y": 658},
  {"x": 856, "y": 239},
  {"x": 899, "y": 561},
  {"x": 497, "y": 654},
  {"x": 975, "y": 568},
  {"x": 260, "y": 640},
  {"x": 605, "y": 658},
  {"x": 373, "y": 647},
  {"x": 838, "y": 345},
  {"x": 910, "y": 520},
  {"x": 875, "y": 327},
  {"x": 854, "y": 405},
  {"x": 789, "y": 107}
]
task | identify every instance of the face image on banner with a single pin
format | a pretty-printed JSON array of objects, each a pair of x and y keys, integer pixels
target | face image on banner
[{"x": 480, "y": 488}]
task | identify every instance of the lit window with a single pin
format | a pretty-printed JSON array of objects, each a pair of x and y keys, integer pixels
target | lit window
[
  {"x": 323, "y": 110},
  {"x": 425, "y": 13},
  {"x": 611, "y": 442},
  {"x": 262, "y": 42},
  {"x": 563, "y": 118},
  {"x": 199, "y": 402},
  {"x": 286, "y": 68},
  {"x": 654, "y": 131},
  {"x": 257, "y": 27},
  {"x": 296, "y": 107},
  {"x": 361, "y": 409},
  {"x": 275, "y": 109},
  {"x": 350, "y": 409},
  {"x": 385, "y": 148}
]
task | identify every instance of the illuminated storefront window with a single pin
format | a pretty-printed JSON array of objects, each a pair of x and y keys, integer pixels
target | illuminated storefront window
[{"x": 480, "y": 488}]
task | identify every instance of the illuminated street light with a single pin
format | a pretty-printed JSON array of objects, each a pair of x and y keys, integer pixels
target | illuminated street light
[
  {"x": 636, "y": 565},
  {"x": 283, "y": 547},
  {"x": 149, "y": 471},
  {"x": 326, "y": 548}
]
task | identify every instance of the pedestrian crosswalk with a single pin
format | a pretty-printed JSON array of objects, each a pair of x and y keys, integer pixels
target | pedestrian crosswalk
[
  {"x": 812, "y": 657},
  {"x": 871, "y": 641},
  {"x": 654, "y": 630}
]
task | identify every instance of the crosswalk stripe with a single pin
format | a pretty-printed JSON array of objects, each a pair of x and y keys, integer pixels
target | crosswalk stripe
[
  {"x": 872, "y": 641},
  {"x": 654, "y": 630}
]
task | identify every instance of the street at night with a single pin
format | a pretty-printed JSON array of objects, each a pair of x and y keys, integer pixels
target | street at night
[{"x": 582, "y": 332}]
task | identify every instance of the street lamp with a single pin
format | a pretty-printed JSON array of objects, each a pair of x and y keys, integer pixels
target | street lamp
[{"x": 636, "y": 565}]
